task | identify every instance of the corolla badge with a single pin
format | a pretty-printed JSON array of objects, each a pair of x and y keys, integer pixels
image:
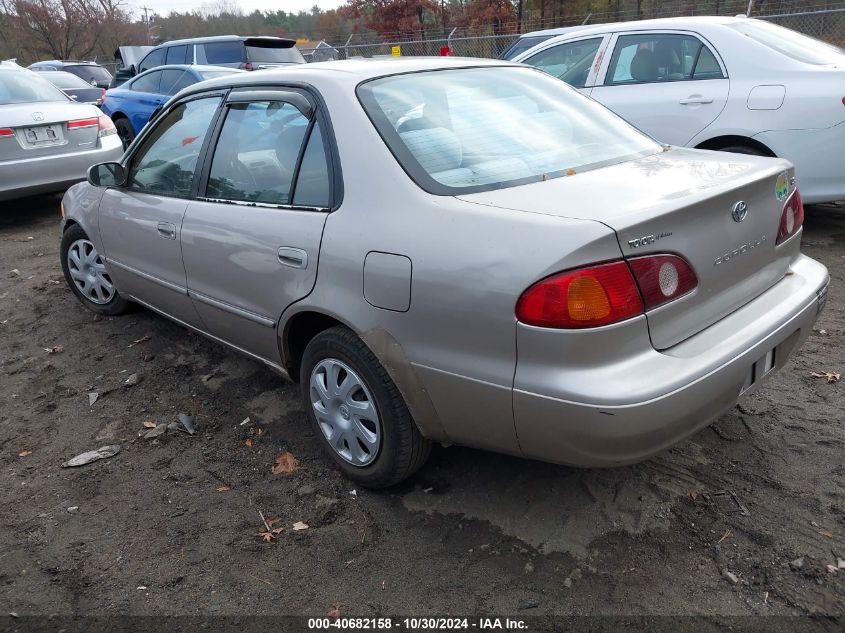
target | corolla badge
[
  {"x": 38, "y": 116},
  {"x": 739, "y": 211}
]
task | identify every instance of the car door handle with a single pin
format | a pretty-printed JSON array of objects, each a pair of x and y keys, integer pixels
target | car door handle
[
  {"x": 168, "y": 230},
  {"x": 696, "y": 100},
  {"x": 293, "y": 257}
]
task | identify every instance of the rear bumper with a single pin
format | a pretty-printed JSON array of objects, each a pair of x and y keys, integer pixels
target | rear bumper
[
  {"x": 817, "y": 156},
  {"x": 47, "y": 174},
  {"x": 600, "y": 414}
]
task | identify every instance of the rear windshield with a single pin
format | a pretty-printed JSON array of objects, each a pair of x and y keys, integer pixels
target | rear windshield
[
  {"x": 272, "y": 54},
  {"x": 66, "y": 80},
  {"x": 20, "y": 87},
  {"x": 522, "y": 45},
  {"x": 88, "y": 73},
  {"x": 476, "y": 129},
  {"x": 791, "y": 43}
]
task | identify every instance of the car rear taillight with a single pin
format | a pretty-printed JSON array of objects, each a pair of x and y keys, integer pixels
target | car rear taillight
[
  {"x": 6, "y": 131},
  {"x": 585, "y": 297},
  {"x": 81, "y": 123},
  {"x": 792, "y": 218},
  {"x": 105, "y": 126},
  {"x": 662, "y": 278}
]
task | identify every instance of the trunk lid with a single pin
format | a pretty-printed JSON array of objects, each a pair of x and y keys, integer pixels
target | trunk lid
[
  {"x": 41, "y": 129},
  {"x": 680, "y": 201}
]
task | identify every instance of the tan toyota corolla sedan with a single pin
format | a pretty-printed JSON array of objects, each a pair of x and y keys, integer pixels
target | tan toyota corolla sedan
[{"x": 453, "y": 251}]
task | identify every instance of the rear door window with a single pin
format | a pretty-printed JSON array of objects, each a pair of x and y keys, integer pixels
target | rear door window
[
  {"x": 177, "y": 54},
  {"x": 173, "y": 80},
  {"x": 659, "y": 57},
  {"x": 258, "y": 153}
]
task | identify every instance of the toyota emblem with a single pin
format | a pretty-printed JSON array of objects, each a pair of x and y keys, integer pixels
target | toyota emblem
[
  {"x": 38, "y": 116},
  {"x": 739, "y": 211}
]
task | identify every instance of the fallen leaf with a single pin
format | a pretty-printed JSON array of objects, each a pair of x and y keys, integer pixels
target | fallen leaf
[
  {"x": 829, "y": 376},
  {"x": 286, "y": 464},
  {"x": 334, "y": 612},
  {"x": 223, "y": 488},
  {"x": 272, "y": 521},
  {"x": 103, "y": 452},
  {"x": 143, "y": 339},
  {"x": 58, "y": 349},
  {"x": 24, "y": 453},
  {"x": 826, "y": 533},
  {"x": 692, "y": 494},
  {"x": 269, "y": 535},
  {"x": 149, "y": 424},
  {"x": 725, "y": 535},
  {"x": 248, "y": 442},
  {"x": 299, "y": 525}
]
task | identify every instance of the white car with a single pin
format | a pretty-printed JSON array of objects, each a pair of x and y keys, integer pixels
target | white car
[{"x": 724, "y": 83}]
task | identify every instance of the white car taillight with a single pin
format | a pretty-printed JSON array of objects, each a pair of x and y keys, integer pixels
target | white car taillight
[{"x": 105, "y": 126}]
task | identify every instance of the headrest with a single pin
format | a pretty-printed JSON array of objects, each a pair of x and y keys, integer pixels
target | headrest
[{"x": 437, "y": 149}]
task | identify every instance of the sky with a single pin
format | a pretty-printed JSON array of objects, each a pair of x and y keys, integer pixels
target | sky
[{"x": 247, "y": 6}]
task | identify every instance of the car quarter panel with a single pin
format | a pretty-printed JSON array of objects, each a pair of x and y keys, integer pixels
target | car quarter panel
[{"x": 470, "y": 263}]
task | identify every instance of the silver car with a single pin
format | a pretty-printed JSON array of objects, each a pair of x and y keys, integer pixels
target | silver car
[
  {"x": 47, "y": 141},
  {"x": 453, "y": 251}
]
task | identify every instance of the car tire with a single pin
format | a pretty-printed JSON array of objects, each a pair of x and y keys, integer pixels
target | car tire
[
  {"x": 86, "y": 274},
  {"x": 399, "y": 450},
  {"x": 124, "y": 131},
  {"x": 743, "y": 149}
]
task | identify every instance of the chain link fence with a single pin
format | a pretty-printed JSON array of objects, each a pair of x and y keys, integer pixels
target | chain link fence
[{"x": 827, "y": 24}]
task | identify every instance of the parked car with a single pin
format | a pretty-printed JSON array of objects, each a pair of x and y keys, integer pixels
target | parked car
[
  {"x": 47, "y": 141},
  {"x": 732, "y": 84},
  {"x": 532, "y": 39},
  {"x": 91, "y": 72},
  {"x": 126, "y": 59},
  {"x": 644, "y": 287},
  {"x": 131, "y": 105},
  {"x": 232, "y": 51},
  {"x": 75, "y": 87}
]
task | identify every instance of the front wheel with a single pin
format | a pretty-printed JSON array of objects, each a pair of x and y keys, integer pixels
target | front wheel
[
  {"x": 86, "y": 274},
  {"x": 357, "y": 411}
]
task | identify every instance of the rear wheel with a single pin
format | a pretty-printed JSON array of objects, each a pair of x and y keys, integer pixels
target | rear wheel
[
  {"x": 357, "y": 411},
  {"x": 124, "y": 131},
  {"x": 86, "y": 274}
]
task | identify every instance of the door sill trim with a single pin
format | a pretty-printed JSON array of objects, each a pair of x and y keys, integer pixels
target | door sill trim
[
  {"x": 228, "y": 307},
  {"x": 275, "y": 366}
]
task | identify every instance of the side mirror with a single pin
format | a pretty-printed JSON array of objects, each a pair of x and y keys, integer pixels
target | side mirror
[
  {"x": 132, "y": 70},
  {"x": 107, "y": 175}
]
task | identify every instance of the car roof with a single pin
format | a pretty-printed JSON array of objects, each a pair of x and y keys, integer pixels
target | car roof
[
  {"x": 200, "y": 68},
  {"x": 558, "y": 31},
  {"x": 66, "y": 62},
  {"x": 228, "y": 38},
  {"x": 656, "y": 23},
  {"x": 350, "y": 71}
]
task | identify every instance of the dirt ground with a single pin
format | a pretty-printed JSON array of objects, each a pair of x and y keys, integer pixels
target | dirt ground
[{"x": 742, "y": 519}]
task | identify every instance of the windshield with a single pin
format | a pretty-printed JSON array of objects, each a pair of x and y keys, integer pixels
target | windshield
[
  {"x": 66, "y": 80},
  {"x": 272, "y": 54},
  {"x": 476, "y": 129},
  {"x": 27, "y": 87},
  {"x": 522, "y": 45},
  {"x": 791, "y": 43}
]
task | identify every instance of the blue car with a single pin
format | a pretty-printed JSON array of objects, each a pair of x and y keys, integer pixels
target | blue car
[{"x": 132, "y": 104}]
